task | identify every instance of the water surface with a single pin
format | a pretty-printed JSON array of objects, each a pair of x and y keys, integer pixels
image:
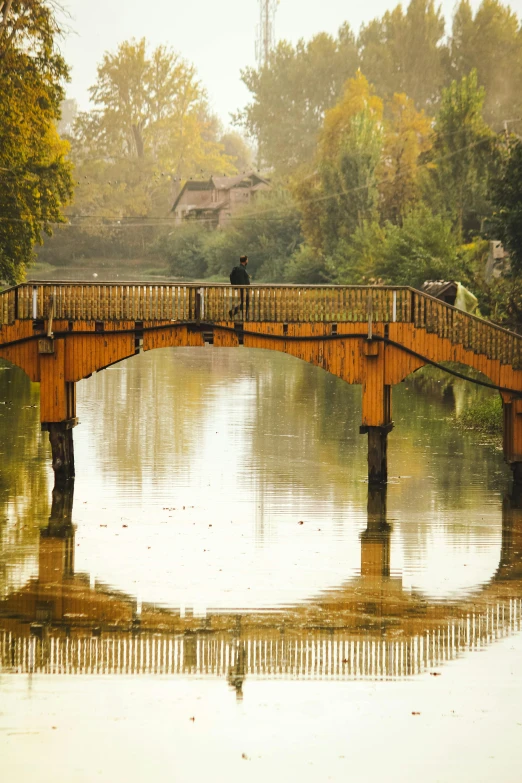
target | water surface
[{"x": 222, "y": 590}]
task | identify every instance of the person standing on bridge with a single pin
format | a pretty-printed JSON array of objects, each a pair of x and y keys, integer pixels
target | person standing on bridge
[{"x": 240, "y": 277}]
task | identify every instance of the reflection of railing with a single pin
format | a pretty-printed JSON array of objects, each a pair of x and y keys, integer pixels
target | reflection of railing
[
  {"x": 318, "y": 655},
  {"x": 270, "y": 303}
]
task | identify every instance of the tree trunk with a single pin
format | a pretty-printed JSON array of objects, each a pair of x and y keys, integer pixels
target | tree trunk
[{"x": 138, "y": 141}]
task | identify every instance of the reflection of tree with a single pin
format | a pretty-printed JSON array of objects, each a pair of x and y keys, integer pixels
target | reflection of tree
[
  {"x": 149, "y": 411},
  {"x": 298, "y": 423},
  {"x": 304, "y": 424},
  {"x": 430, "y": 444},
  {"x": 24, "y": 474}
]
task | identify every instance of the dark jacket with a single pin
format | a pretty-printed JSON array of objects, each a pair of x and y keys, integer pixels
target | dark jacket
[{"x": 239, "y": 276}]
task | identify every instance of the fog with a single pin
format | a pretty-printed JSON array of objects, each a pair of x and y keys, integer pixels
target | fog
[{"x": 219, "y": 38}]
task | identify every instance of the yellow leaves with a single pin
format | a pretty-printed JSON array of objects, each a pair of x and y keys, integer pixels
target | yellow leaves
[
  {"x": 54, "y": 147},
  {"x": 358, "y": 97},
  {"x": 408, "y": 136}
]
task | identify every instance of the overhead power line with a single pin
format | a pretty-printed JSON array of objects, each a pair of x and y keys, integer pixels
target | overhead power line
[{"x": 144, "y": 220}]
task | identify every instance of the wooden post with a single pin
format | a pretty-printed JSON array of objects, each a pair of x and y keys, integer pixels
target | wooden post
[
  {"x": 377, "y": 455},
  {"x": 57, "y": 408},
  {"x": 376, "y": 410},
  {"x": 62, "y": 449}
]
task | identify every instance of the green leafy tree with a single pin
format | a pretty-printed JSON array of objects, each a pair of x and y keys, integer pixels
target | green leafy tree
[
  {"x": 35, "y": 176},
  {"x": 491, "y": 43},
  {"x": 291, "y": 94},
  {"x": 507, "y": 203},
  {"x": 405, "y": 52},
  {"x": 307, "y": 267},
  {"x": 269, "y": 234},
  {"x": 184, "y": 251},
  {"x": 423, "y": 248},
  {"x": 354, "y": 260},
  {"x": 463, "y": 157}
]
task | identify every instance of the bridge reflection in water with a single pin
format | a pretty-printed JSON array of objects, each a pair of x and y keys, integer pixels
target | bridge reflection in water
[{"x": 368, "y": 628}]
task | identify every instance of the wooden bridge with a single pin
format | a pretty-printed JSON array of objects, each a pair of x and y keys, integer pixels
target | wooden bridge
[{"x": 60, "y": 333}]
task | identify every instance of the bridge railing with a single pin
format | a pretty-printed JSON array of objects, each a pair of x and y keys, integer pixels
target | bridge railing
[
  {"x": 8, "y": 310},
  {"x": 180, "y": 302},
  {"x": 268, "y": 303}
]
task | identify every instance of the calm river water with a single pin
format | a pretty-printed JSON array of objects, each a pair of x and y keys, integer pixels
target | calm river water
[{"x": 222, "y": 599}]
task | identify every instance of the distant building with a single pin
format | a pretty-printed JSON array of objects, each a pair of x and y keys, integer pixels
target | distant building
[
  {"x": 498, "y": 263},
  {"x": 215, "y": 200}
]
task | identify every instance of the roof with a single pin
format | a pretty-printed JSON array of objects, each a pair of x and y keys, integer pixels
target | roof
[
  {"x": 198, "y": 184},
  {"x": 437, "y": 287},
  {"x": 248, "y": 180}
]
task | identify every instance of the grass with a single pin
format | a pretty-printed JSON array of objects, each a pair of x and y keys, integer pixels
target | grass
[{"x": 484, "y": 416}]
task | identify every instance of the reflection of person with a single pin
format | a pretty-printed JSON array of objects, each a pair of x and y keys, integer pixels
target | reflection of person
[
  {"x": 236, "y": 673},
  {"x": 240, "y": 277}
]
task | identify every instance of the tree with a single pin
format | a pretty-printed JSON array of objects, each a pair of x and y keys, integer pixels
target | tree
[
  {"x": 291, "y": 94},
  {"x": 423, "y": 248},
  {"x": 491, "y": 43},
  {"x": 152, "y": 129},
  {"x": 35, "y": 176},
  {"x": 5, "y": 11},
  {"x": 152, "y": 106},
  {"x": 184, "y": 251},
  {"x": 404, "y": 52},
  {"x": 307, "y": 267},
  {"x": 463, "y": 157},
  {"x": 236, "y": 148},
  {"x": 343, "y": 191},
  {"x": 507, "y": 205},
  {"x": 407, "y": 139},
  {"x": 269, "y": 232}
]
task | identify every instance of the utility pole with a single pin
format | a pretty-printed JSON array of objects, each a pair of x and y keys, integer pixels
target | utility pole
[{"x": 265, "y": 31}]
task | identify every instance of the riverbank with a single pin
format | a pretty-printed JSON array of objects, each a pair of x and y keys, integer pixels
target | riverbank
[
  {"x": 474, "y": 408},
  {"x": 483, "y": 415},
  {"x": 101, "y": 268}
]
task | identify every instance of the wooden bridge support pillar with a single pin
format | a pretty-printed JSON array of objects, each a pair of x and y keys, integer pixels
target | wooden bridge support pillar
[
  {"x": 62, "y": 450},
  {"x": 376, "y": 413},
  {"x": 57, "y": 407}
]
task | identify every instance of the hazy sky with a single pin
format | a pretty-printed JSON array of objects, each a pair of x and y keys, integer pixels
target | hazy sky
[{"x": 218, "y": 37}]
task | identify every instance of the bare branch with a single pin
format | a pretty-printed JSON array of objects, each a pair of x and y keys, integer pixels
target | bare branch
[{"x": 5, "y": 8}]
